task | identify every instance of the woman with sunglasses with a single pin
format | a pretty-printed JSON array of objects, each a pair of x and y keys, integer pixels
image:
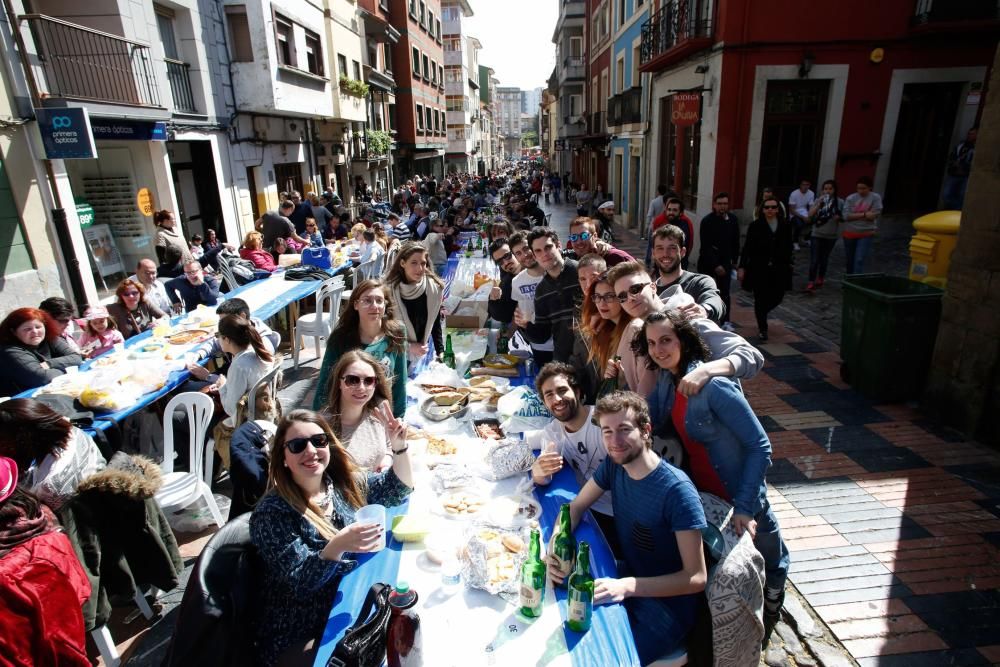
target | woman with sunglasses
[
  {"x": 358, "y": 387},
  {"x": 313, "y": 234},
  {"x": 131, "y": 312},
  {"x": 251, "y": 360},
  {"x": 766, "y": 261},
  {"x": 604, "y": 325},
  {"x": 368, "y": 323},
  {"x": 305, "y": 532},
  {"x": 417, "y": 292},
  {"x": 727, "y": 452}
]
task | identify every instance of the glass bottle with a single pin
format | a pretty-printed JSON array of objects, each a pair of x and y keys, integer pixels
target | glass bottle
[
  {"x": 533, "y": 579},
  {"x": 449, "y": 354},
  {"x": 609, "y": 384},
  {"x": 580, "y": 593},
  {"x": 564, "y": 546}
]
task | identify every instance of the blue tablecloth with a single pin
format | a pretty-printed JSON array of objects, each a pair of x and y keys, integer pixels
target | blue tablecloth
[
  {"x": 609, "y": 640},
  {"x": 296, "y": 290}
]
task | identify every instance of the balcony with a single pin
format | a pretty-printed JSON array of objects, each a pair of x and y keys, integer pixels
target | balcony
[
  {"x": 572, "y": 70},
  {"x": 85, "y": 64},
  {"x": 180, "y": 85},
  {"x": 596, "y": 124},
  {"x": 678, "y": 29},
  {"x": 572, "y": 14},
  {"x": 625, "y": 108},
  {"x": 952, "y": 16}
]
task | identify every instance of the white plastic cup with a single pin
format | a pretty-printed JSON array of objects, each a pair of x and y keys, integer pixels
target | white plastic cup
[{"x": 370, "y": 514}]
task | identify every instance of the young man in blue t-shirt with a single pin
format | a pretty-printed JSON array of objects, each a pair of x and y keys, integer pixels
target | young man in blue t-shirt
[{"x": 659, "y": 517}]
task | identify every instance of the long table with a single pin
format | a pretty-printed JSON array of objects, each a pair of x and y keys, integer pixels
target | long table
[
  {"x": 266, "y": 298},
  {"x": 476, "y": 616}
]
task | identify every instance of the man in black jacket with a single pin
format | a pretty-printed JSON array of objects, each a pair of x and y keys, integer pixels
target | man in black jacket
[
  {"x": 720, "y": 249},
  {"x": 558, "y": 295},
  {"x": 501, "y": 305}
]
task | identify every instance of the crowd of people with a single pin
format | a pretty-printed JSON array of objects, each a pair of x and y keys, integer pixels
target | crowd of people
[{"x": 638, "y": 364}]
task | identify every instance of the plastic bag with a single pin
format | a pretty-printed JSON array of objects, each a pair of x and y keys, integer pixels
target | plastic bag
[
  {"x": 522, "y": 410},
  {"x": 196, "y": 517}
]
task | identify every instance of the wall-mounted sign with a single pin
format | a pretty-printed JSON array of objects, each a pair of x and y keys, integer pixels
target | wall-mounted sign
[
  {"x": 685, "y": 109},
  {"x": 129, "y": 130},
  {"x": 144, "y": 199},
  {"x": 66, "y": 133},
  {"x": 85, "y": 212}
]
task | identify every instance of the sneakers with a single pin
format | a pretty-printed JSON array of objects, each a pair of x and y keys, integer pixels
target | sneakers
[
  {"x": 811, "y": 287},
  {"x": 819, "y": 282},
  {"x": 772, "y": 614},
  {"x": 728, "y": 326}
]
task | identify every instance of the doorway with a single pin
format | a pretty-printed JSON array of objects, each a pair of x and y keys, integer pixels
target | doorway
[
  {"x": 288, "y": 177},
  {"x": 794, "y": 115},
  {"x": 920, "y": 147},
  {"x": 192, "y": 167}
]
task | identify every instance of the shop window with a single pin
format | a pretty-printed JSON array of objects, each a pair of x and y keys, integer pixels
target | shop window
[{"x": 240, "y": 44}]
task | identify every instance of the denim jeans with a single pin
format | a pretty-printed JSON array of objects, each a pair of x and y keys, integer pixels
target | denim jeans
[
  {"x": 819, "y": 256},
  {"x": 772, "y": 547},
  {"x": 660, "y": 625},
  {"x": 953, "y": 194},
  {"x": 855, "y": 251}
]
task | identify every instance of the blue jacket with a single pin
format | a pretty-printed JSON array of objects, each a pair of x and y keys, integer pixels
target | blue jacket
[
  {"x": 207, "y": 293},
  {"x": 720, "y": 418}
]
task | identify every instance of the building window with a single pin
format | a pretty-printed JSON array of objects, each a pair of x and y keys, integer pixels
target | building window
[
  {"x": 421, "y": 15},
  {"x": 437, "y": 29},
  {"x": 621, "y": 13},
  {"x": 427, "y": 68},
  {"x": 285, "y": 41},
  {"x": 413, "y": 8},
  {"x": 434, "y": 74},
  {"x": 357, "y": 69},
  {"x": 416, "y": 61},
  {"x": 165, "y": 25},
  {"x": 420, "y": 118},
  {"x": 427, "y": 113},
  {"x": 635, "y": 66},
  {"x": 314, "y": 53},
  {"x": 342, "y": 65},
  {"x": 387, "y": 56},
  {"x": 575, "y": 47},
  {"x": 620, "y": 74},
  {"x": 430, "y": 23},
  {"x": 240, "y": 45},
  {"x": 392, "y": 117},
  {"x": 441, "y": 75}
]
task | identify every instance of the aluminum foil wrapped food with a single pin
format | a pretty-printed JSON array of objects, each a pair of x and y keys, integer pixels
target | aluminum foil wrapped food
[
  {"x": 509, "y": 457},
  {"x": 452, "y": 476},
  {"x": 492, "y": 560}
]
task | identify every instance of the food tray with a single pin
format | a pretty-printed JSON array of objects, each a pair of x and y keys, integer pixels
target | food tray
[
  {"x": 484, "y": 427},
  {"x": 434, "y": 412},
  {"x": 189, "y": 337}
]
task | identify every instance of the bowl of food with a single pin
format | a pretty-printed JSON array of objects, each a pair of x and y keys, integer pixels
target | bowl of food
[
  {"x": 500, "y": 361},
  {"x": 442, "y": 406}
]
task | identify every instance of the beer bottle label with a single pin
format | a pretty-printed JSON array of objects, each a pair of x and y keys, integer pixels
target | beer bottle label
[
  {"x": 530, "y": 596},
  {"x": 565, "y": 564},
  {"x": 579, "y": 605}
]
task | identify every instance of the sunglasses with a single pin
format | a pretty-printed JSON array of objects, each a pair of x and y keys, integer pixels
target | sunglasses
[
  {"x": 582, "y": 236},
  {"x": 298, "y": 445},
  {"x": 634, "y": 290},
  {"x": 355, "y": 380},
  {"x": 130, "y": 293},
  {"x": 503, "y": 258}
]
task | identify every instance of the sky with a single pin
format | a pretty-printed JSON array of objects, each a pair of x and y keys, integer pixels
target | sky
[{"x": 517, "y": 39}]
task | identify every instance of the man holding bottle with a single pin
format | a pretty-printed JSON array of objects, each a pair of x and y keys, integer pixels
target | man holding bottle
[{"x": 659, "y": 517}]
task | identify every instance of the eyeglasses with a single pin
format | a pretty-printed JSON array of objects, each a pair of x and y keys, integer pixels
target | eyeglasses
[
  {"x": 607, "y": 297},
  {"x": 582, "y": 236},
  {"x": 503, "y": 258},
  {"x": 355, "y": 380},
  {"x": 369, "y": 301},
  {"x": 192, "y": 273},
  {"x": 298, "y": 445},
  {"x": 634, "y": 290},
  {"x": 131, "y": 293}
]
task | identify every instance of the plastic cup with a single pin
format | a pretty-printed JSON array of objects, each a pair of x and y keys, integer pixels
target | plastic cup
[{"x": 370, "y": 514}]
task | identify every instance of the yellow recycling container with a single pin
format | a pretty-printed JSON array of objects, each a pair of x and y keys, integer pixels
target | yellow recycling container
[{"x": 932, "y": 245}]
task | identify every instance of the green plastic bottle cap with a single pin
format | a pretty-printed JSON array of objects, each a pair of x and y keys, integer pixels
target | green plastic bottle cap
[{"x": 402, "y": 588}]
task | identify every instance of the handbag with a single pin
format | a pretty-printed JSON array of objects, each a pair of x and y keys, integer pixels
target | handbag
[
  {"x": 317, "y": 257},
  {"x": 363, "y": 645}
]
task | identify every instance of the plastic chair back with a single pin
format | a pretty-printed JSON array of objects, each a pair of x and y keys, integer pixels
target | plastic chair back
[
  {"x": 199, "y": 408},
  {"x": 269, "y": 382},
  {"x": 328, "y": 303},
  {"x": 227, "y": 272}
]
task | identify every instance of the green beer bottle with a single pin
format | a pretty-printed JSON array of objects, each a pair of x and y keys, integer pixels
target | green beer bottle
[
  {"x": 533, "y": 579},
  {"x": 449, "y": 354},
  {"x": 564, "y": 546},
  {"x": 580, "y": 593}
]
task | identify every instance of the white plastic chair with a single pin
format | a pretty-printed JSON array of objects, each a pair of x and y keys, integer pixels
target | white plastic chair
[
  {"x": 180, "y": 489},
  {"x": 364, "y": 271},
  {"x": 269, "y": 382},
  {"x": 321, "y": 323},
  {"x": 227, "y": 272}
]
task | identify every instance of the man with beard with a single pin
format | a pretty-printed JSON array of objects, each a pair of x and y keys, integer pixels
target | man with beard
[
  {"x": 501, "y": 305},
  {"x": 668, "y": 255},
  {"x": 658, "y": 519},
  {"x": 720, "y": 250},
  {"x": 585, "y": 240},
  {"x": 673, "y": 214},
  {"x": 573, "y": 438},
  {"x": 523, "y": 292},
  {"x": 558, "y": 295}
]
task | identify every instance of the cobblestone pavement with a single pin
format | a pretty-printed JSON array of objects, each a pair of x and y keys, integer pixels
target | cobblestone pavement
[{"x": 893, "y": 522}]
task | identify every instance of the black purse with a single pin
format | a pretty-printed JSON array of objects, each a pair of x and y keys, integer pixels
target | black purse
[{"x": 364, "y": 643}]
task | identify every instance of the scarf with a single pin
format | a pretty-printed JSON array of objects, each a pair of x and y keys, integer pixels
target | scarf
[
  {"x": 415, "y": 290},
  {"x": 23, "y": 528}
]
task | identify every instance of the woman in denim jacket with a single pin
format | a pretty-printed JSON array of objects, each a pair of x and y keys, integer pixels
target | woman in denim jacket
[{"x": 727, "y": 451}]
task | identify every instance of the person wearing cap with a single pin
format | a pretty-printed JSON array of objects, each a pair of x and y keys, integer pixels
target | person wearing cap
[
  {"x": 42, "y": 583},
  {"x": 100, "y": 333},
  {"x": 605, "y": 218}
]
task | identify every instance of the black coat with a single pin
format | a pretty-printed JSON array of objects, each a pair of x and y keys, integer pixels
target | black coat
[
  {"x": 720, "y": 243},
  {"x": 22, "y": 365},
  {"x": 767, "y": 256}
]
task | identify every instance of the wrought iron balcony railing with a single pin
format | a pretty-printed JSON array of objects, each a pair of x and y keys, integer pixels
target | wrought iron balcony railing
[
  {"x": 674, "y": 23},
  {"x": 178, "y": 74},
  {"x": 87, "y": 64}
]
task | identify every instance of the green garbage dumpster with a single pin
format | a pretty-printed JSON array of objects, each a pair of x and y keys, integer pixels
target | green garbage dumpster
[{"x": 887, "y": 335}]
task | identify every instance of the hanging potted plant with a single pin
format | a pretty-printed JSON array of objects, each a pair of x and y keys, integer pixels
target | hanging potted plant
[{"x": 353, "y": 87}]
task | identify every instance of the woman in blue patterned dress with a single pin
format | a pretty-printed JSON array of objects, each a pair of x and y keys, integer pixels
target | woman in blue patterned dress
[{"x": 305, "y": 532}]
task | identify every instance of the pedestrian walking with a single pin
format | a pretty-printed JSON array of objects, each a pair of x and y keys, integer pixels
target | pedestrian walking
[
  {"x": 766, "y": 261},
  {"x": 826, "y": 214}
]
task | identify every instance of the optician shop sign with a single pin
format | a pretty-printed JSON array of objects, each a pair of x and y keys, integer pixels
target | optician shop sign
[
  {"x": 685, "y": 109},
  {"x": 130, "y": 130},
  {"x": 66, "y": 133}
]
